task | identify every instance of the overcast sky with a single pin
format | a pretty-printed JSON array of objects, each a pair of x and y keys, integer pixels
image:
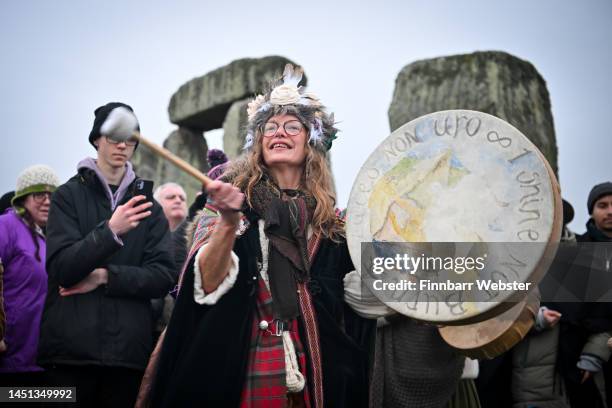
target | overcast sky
[{"x": 62, "y": 59}]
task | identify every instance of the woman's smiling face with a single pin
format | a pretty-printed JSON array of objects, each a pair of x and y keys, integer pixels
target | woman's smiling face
[{"x": 283, "y": 141}]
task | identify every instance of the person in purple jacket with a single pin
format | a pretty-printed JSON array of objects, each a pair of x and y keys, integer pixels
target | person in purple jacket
[{"x": 22, "y": 251}]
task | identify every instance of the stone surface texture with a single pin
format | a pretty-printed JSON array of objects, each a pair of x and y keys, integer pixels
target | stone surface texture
[
  {"x": 190, "y": 145},
  {"x": 146, "y": 164},
  {"x": 203, "y": 102},
  {"x": 492, "y": 82},
  {"x": 234, "y": 129}
]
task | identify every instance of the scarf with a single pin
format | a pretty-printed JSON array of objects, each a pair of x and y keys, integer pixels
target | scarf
[
  {"x": 286, "y": 215},
  {"x": 596, "y": 234}
]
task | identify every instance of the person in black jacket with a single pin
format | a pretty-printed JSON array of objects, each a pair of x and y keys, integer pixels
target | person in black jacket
[
  {"x": 108, "y": 255},
  {"x": 586, "y": 313},
  {"x": 599, "y": 203},
  {"x": 596, "y": 244}
]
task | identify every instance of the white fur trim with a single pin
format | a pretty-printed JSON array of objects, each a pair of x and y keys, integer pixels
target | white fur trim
[
  {"x": 211, "y": 298},
  {"x": 264, "y": 243}
]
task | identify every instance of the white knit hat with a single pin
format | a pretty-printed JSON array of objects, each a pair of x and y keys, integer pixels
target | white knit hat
[{"x": 35, "y": 179}]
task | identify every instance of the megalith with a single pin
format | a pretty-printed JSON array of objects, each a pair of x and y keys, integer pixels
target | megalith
[{"x": 493, "y": 82}]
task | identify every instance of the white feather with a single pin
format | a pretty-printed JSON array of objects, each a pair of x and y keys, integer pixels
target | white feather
[
  {"x": 316, "y": 132},
  {"x": 264, "y": 107},
  {"x": 121, "y": 123},
  {"x": 248, "y": 141},
  {"x": 292, "y": 76}
]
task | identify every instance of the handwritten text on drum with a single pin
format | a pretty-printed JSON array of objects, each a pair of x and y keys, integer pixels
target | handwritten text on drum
[
  {"x": 455, "y": 126},
  {"x": 529, "y": 204}
]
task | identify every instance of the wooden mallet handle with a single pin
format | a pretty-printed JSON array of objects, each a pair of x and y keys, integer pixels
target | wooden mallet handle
[
  {"x": 177, "y": 161},
  {"x": 174, "y": 159}
]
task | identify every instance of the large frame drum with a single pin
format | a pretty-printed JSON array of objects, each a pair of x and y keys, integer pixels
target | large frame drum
[{"x": 456, "y": 176}]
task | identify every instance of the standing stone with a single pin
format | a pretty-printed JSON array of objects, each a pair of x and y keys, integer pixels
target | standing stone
[
  {"x": 234, "y": 129},
  {"x": 146, "y": 164},
  {"x": 190, "y": 146},
  {"x": 203, "y": 102},
  {"x": 496, "y": 83}
]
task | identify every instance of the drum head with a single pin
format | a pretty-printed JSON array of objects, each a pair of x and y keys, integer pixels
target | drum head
[{"x": 455, "y": 176}]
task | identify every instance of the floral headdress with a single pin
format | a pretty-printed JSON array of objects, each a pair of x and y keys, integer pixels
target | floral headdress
[{"x": 289, "y": 98}]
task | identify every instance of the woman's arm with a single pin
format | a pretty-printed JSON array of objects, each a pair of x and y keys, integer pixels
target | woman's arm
[{"x": 215, "y": 260}]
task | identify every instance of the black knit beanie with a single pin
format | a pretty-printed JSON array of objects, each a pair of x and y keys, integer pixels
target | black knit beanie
[
  {"x": 597, "y": 192},
  {"x": 101, "y": 114},
  {"x": 568, "y": 212}
]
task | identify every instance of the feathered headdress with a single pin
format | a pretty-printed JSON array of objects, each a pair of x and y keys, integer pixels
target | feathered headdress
[{"x": 287, "y": 96}]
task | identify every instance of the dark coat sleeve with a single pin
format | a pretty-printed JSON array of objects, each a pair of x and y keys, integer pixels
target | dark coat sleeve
[
  {"x": 71, "y": 256},
  {"x": 155, "y": 276}
]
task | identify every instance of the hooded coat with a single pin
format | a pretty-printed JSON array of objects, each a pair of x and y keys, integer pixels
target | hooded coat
[
  {"x": 24, "y": 289},
  {"x": 111, "y": 325}
]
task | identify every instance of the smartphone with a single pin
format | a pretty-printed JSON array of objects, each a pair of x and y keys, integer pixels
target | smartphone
[{"x": 144, "y": 187}]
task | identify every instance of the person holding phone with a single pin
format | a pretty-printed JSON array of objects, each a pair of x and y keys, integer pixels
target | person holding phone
[{"x": 108, "y": 255}]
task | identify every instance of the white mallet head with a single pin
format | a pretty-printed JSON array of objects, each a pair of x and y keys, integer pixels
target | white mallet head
[{"x": 120, "y": 124}]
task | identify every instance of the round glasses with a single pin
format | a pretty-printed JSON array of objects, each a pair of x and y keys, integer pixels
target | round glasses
[
  {"x": 128, "y": 142},
  {"x": 292, "y": 128},
  {"x": 39, "y": 197}
]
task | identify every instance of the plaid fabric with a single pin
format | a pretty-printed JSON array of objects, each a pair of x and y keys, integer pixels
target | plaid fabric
[
  {"x": 265, "y": 381},
  {"x": 265, "y": 385},
  {"x": 206, "y": 226}
]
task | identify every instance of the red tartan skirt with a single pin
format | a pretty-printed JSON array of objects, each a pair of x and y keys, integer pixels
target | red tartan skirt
[{"x": 265, "y": 384}]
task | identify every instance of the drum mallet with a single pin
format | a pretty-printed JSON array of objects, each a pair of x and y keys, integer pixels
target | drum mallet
[{"x": 121, "y": 125}]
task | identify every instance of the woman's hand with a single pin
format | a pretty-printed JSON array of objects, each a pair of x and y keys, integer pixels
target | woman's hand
[{"x": 227, "y": 199}]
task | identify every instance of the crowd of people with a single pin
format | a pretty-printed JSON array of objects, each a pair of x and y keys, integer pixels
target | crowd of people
[{"x": 248, "y": 297}]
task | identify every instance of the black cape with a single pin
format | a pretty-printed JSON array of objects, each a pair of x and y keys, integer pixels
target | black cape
[{"x": 203, "y": 359}]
